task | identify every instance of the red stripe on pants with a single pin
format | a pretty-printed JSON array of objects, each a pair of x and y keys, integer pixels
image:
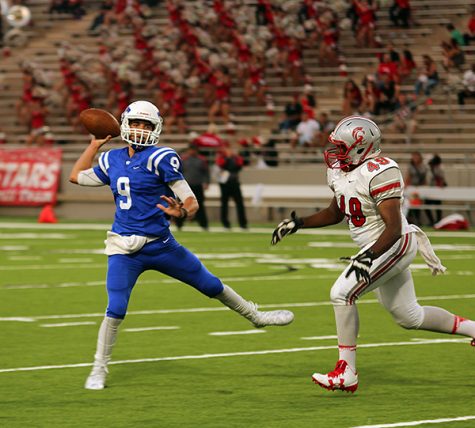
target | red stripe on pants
[{"x": 382, "y": 270}]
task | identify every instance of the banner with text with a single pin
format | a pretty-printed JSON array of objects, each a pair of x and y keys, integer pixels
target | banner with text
[{"x": 29, "y": 176}]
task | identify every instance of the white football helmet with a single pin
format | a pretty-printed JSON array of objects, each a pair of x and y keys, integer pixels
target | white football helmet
[
  {"x": 354, "y": 140},
  {"x": 143, "y": 110}
]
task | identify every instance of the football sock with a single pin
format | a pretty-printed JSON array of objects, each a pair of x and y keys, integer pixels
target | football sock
[
  {"x": 234, "y": 301},
  {"x": 463, "y": 326},
  {"x": 440, "y": 320},
  {"x": 347, "y": 326},
  {"x": 106, "y": 339}
]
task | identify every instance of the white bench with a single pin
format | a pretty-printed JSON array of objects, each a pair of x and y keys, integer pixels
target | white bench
[{"x": 273, "y": 197}]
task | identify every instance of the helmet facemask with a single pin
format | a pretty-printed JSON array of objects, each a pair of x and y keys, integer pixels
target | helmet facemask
[{"x": 138, "y": 136}]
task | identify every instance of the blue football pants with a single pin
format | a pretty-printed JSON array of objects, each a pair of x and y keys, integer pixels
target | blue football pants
[{"x": 164, "y": 255}]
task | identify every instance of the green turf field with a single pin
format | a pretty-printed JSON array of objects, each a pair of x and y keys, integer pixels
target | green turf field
[{"x": 187, "y": 372}]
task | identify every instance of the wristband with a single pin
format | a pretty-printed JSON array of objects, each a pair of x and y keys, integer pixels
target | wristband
[{"x": 184, "y": 212}]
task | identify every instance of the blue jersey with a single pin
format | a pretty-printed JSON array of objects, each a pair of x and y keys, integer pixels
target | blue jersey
[{"x": 137, "y": 183}]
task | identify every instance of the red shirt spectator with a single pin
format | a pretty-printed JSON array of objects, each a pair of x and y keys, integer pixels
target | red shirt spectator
[
  {"x": 471, "y": 25},
  {"x": 222, "y": 159},
  {"x": 330, "y": 36},
  {"x": 123, "y": 100},
  {"x": 168, "y": 91},
  {"x": 403, "y": 4},
  {"x": 366, "y": 13},
  {"x": 243, "y": 51},
  {"x": 224, "y": 17},
  {"x": 386, "y": 66},
  {"x": 407, "y": 64},
  {"x": 120, "y": 6},
  {"x": 38, "y": 115},
  {"x": 269, "y": 15},
  {"x": 223, "y": 89},
  {"x": 209, "y": 140},
  {"x": 179, "y": 103},
  {"x": 256, "y": 74},
  {"x": 294, "y": 54}
]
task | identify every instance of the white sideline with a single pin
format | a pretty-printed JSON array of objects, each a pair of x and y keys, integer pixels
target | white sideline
[
  {"x": 219, "y": 308},
  {"x": 235, "y": 354},
  {"x": 415, "y": 423}
]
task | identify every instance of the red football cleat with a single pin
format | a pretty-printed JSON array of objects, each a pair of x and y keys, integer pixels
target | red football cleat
[{"x": 342, "y": 378}]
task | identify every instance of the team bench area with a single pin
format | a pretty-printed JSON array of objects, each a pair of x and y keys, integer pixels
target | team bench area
[{"x": 283, "y": 198}]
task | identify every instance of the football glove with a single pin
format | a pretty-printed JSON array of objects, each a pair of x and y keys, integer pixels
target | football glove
[
  {"x": 286, "y": 227},
  {"x": 360, "y": 264}
]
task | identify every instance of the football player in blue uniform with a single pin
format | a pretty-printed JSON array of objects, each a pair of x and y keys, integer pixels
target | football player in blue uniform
[{"x": 148, "y": 188}]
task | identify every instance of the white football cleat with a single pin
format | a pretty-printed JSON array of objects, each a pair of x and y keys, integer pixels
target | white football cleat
[
  {"x": 97, "y": 378},
  {"x": 264, "y": 318},
  {"x": 342, "y": 378}
]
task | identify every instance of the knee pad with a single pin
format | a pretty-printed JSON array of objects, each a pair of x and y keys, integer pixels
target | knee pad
[
  {"x": 117, "y": 306},
  {"x": 211, "y": 287},
  {"x": 410, "y": 317},
  {"x": 337, "y": 296},
  {"x": 111, "y": 314}
]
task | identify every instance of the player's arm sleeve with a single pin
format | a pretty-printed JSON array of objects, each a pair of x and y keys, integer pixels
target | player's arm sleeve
[
  {"x": 102, "y": 169},
  {"x": 89, "y": 178},
  {"x": 181, "y": 189},
  {"x": 386, "y": 185}
]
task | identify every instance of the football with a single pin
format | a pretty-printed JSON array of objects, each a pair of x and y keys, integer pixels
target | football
[{"x": 99, "y": 123}]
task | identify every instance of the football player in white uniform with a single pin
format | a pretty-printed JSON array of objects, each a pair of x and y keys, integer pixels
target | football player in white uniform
[{"x": 368, "y": 192}]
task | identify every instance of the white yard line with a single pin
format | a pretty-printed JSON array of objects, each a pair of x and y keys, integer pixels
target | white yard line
[
  {"x": 166, "y": 281},
  {"x": 69, "y": 324},
  {"x": 438, "y": 247},
  {"x": 24, "y": 258},
  {"x": 35, "y": 236},
  {"x": 265, "y": 230},
  {"x": 58, "y": 266},
  {"x": 56, "y": 226},
  {"x": 232, "y": 354},
  {"x": 415, "y": 423},
  {"x": 319, "y": 337},
  {"x": 14, "y": 248},
  {"x": 232, "y": 333},
  {"x": 223, "y": 308},
  {"x": 74, "y": 260},
  {"x": 139, "y": 329},
  {"x": 271, "y": 277},
  {"x": 60, "y": 285}
]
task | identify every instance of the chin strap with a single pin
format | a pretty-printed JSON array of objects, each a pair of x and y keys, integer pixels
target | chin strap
[{"x": 137, "y": 148}]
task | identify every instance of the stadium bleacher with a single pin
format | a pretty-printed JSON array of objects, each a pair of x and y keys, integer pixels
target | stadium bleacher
[{"x": 442, "y": 126}]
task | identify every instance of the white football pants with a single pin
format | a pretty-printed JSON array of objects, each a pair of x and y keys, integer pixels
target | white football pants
[{"x": 391, "y": 281}]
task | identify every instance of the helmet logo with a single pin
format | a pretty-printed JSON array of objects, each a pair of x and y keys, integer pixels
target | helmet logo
[{"x": 358, "y": 134}]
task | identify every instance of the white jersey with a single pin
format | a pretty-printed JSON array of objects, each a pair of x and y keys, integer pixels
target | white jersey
[{"x": 358, "y": 193}]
